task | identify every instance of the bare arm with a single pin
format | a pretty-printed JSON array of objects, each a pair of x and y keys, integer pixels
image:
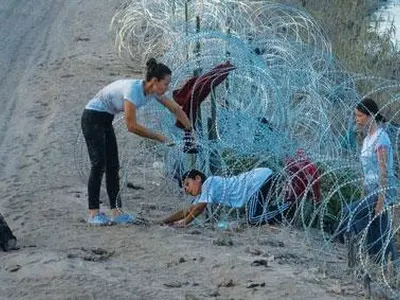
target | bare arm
[
  {"x": 134, "y": 127},
  {"x": 187, "y": 215},
  {"x": 194, "y": 211},
  {"x": 383, "y": 177},
  {"x": 176, "y": 216},
  {"x": 177, "y": 111}
]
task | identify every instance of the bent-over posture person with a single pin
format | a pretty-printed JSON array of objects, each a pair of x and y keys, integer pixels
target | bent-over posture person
[
  {"x": 250, "y": 189},
  {"x": 125, "y": 95}
]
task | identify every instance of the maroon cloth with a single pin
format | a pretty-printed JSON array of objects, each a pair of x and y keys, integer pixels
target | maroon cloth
[
  {"x": 303, "y": 172},
  {"x": 197, "y": 88}
]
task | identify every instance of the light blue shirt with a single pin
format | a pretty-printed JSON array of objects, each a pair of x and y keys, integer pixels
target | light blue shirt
[
  {"x": 369, "y": 159},
  {"x": 112, "y": 97},
  {"x": 232, "y": 191}
]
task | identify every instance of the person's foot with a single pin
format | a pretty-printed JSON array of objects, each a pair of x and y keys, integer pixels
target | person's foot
[
  {"x": 123, "y": 218},
  {"x": 99, "y": 220}
]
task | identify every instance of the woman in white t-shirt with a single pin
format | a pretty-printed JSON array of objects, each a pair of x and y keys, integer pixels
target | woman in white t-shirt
[
  {"x": 125, "y": 95},
  {"x": 378, "y": 183}
]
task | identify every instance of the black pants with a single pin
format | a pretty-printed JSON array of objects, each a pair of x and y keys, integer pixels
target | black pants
[
  {"x": 103, "y": 152},
  {"x": 260, "y": 208}
]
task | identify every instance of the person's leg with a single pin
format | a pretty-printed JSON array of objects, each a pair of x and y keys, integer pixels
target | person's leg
[
  {"x": 380, "y": 237},
  {"x": 93, "y": 132},
  {"x": 259, "y": 207},
  {"x": 356, "y": 218},
  {"x": 379, "y": 228},
  {"x": 391, "y": 196},
  {"x": 392, "y": 247},
  {"x": 358, "y": 214},
  {"x": 255, "y": 206},
  {"x": 112, "y": 176},
  {"x": 112, "y": 167}
]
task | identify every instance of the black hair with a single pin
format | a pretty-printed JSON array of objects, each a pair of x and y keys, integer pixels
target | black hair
[
  {"x": 191, "y": 174},
  {"x": 157, "y": 70},
  {"x": 369, "y": 107}
]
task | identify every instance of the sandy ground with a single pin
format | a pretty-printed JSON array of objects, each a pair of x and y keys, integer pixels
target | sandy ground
[{"x": 54, "y": 56}]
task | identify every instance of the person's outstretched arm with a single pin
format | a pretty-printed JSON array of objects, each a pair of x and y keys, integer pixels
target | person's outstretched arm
[
  {"x": 134, "y": 127},
  {"x": 177, "y": 111},
  {"x": 186, "y": 216},
  {"x": 194, "y": 211},
  {"x": 176, "y": 216}
]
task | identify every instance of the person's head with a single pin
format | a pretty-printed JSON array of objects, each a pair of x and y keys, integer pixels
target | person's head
[
  {"x": 366, "y": 111},
  {"x": 158, "y": 77},
  {"x": 192, "y": 182}
]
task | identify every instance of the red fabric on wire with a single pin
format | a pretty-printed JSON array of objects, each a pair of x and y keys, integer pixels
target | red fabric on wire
[{"x": 196, "y": 89}]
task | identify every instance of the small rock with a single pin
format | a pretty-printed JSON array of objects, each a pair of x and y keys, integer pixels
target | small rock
[
  {"x": 148, "y": 206},
  {"x": 216, "y": 266},
  {"x": 96, "y": 254},
  {"x": 13, "y": 268},
  {"x": 226, "y": 283},
  {"x": 67, "y": 75},
  {"x": 182, "y": 260},
  {"x": 173, "y": 284},
  {"x": 134, "y": 186},
  {"x": 288, "y": 258},
  {"x": 255, "y": 284},
  {"x": 214, "y": 294},
  {"x": 272, "y": 243},
  {"x": 223, "y": 242},
  {"x": 99, "y": 251},
  {"x": 254, "y": 251},
  {"x": 82, "y": 39},
  {"x": 260, "y": 262}
]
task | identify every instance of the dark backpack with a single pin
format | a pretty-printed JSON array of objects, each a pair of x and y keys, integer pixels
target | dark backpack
[{"x": 7, "y": 240}]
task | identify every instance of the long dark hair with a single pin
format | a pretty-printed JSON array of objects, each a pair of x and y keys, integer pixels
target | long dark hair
[
  {"x": 369, "y": 107},
  {"x": 156, "y": 70}
]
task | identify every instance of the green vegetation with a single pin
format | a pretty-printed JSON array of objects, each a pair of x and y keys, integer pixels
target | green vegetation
[
  {"x": 351, "y": 28},
  {"x": 236, "y": 163}
]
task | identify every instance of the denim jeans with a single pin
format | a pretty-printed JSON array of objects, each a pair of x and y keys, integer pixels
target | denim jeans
[
  {"x": 357, "y": 217},
  {"x": 100, "y": 139}
]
